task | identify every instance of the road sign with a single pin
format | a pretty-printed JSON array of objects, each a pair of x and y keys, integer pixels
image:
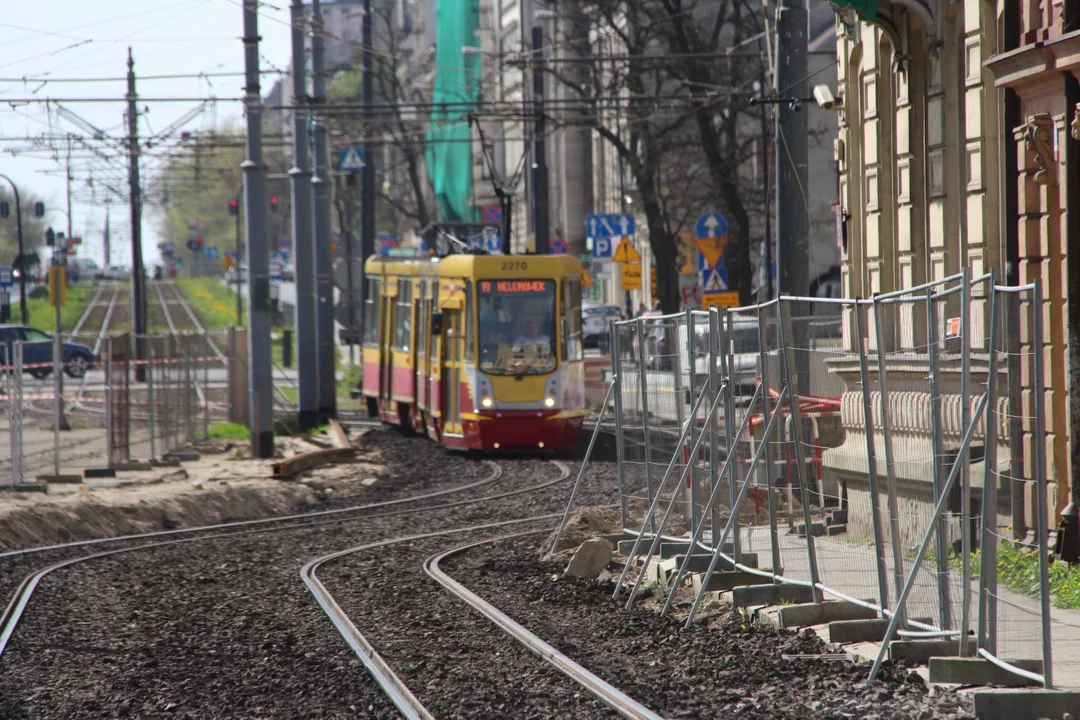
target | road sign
[
  {"x": 493, "y": 214},
  {"x": 385, "y": 244},
  {"x": 193, "y": 222},
  {"x": 279, "y": 257},
  {"x": 586, "y": 280},
  {"x": 229, "y": 261},
  {"x": 352, "y": 159},
  {"x": 602, "y": 247},
  {"x": 721, "y": 300},
  {"x": 626, "y": 253},
  {"x": 275, "y": 271},
  {"x": 170, "y": 247},
  {"x": 192, "y": 245},
  {"x": 492, "y": 241},
  {"x": 711, "y": 225},
  {"x": 476, "y": 242},
  {"x": 558, "y": 246},
  {"x": 6, "y": 276},
  {"x": 210, "y": 253},
  {"x": 284, "y": 243},
  {"x": 631, "y": 276},
  {"x": 609, "y": 226}
]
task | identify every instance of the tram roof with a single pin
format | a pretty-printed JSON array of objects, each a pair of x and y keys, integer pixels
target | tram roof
[{"x": 470, "y": 265}]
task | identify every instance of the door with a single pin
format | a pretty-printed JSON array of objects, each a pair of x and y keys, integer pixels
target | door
[
  {"x": 37, "y": 347},
  {"x": 451, "y": 371}
]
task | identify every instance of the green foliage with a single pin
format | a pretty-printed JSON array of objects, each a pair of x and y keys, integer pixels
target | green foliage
[
  {"x": 354, "y": 375},
  {"x": 42, "y": 315},
  {"x": 1019, "y": 570},
  {"x": 212, "y": 301},
  {"x": 33, "y": 228},
  {"x": 229, "y": 431}
]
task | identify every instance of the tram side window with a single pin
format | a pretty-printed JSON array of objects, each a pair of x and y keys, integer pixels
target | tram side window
[
  {"x": 371, "y": 312},
  {"x": 469, "y": 339},
  {"x": 422, "y": 333},
  {"x": 403, "y": 316},
  {"x": 571, "y": 320}
]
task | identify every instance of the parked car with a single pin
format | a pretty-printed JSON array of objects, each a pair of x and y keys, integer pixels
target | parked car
[
  {"x": 288, "y": 273},
  {"x": 83, "y": 270},
  {"x": 596, "y": 324},
  {"x": 116, "y": 272},
  {"x": 38, "y": 349}
]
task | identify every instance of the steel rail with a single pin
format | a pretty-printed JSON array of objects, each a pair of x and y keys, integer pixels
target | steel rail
[
  {"x": 607, "y": 693},
  {"x": 97, "y": 345},
  {"x": 195, "y": 321},
  {"x": 165, "y": 308},
  {"x": 86, "y": 313}
]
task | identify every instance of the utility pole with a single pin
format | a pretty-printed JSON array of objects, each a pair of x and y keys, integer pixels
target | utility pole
[
  {"x": 367, "y": 197},
  {"x": 106, "y": 240},
  {"x": 138, "y": 279},
  {"x": 792, "y": 212},
  {"x": 260, "y": 388},
  {"x": 300, "y": 179},
  {"x": 22, "y": 251},
  {"x": 767, "y": 237},
  {"x": 540, "y": 170},
  {"x": 324, "y": 270},
  {"x": 67, "y": 176}
]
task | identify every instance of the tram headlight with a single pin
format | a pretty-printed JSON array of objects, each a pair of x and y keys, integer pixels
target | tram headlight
[
  {"x": 486, "y": 402},
  {"x": 549, "y": 402}
]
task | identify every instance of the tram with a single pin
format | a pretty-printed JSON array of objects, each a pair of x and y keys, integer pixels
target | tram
[{"x": 478, "y": 352}]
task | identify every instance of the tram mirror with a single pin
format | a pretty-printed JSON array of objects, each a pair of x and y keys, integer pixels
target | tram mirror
[{"x": 436, "y": 323}]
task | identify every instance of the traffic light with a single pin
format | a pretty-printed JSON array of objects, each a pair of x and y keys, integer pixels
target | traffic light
[
  {"x": 5, "y": 210},
  {"x": 199, "y": 241},
  {"x": 273, "y": 203},
  {"x": 234, "y": 207},
  {"x": 50, "y": 237},
  {"x": 39, "y": 209},
  {"x": 192, "y": 245}
]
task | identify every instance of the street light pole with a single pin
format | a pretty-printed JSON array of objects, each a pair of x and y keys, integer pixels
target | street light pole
[
  {"x": 22, "y": 252},
  {"x": 540, "y": 170}
]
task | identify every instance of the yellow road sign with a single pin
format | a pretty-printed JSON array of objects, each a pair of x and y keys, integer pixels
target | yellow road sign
[
  {"x": 712, "y": 249},
  {"x": 626, "y": 253},
  {"x": 228, "y": 262},
  {"x": 631, "y": 276},
  {"x": 720, "y": 300},
  {"x": 586, "y": 281},
  {"x": 684, "y": 257}
]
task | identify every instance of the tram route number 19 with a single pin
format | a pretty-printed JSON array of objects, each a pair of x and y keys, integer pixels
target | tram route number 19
[{"x": 515, "y": 265}]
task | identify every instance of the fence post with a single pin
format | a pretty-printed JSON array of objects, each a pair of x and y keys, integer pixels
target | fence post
[
  {"x": 189, "y": 386},
  {"x": 109, "y": 400},
  {"x": 616, "y": 364},
  {"x": 714, "y": 455},
  {"x": 16, "y": 399},
  {"x": 206, "y": 386},
  {"x": 800, "y": 468},
  {"x": 643, "y": 383},
  {"x": 729, "y": 428},
  {"x": 766, "y": 416},
  {"x": 680, "y": 414},
  {"x": 941, "y": 545},
  {"x": 965, "y": 464},
  {"x": 1040, "y": 482},
  {"x": 691, "y": 368},
  {"x": 890, "y": 471},
  {"x": 871, "y": 463},
  {"x": 151, "y": 398},
  {"x": 987, "y": 638}
]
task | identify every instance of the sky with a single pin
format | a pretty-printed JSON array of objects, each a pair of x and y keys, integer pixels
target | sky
[{"x": 60, "y": 39}]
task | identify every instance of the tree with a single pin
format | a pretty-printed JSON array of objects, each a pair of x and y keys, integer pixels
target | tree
[{"x": 33, "y": 227}]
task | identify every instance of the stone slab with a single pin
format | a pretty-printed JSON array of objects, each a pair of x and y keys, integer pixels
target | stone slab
[
  {"x": 1025, "y": 704},
  {"x": 977, "y": 671},
  {"x": 821, "y": 613},
  {"x": 919, "y": 652},
  {"x": 755, "y": 595}
]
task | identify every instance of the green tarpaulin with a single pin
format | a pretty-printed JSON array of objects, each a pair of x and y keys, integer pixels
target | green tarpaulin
[
  {"x": 449, "y": 152},
  {"x": 866, "y": 9}
]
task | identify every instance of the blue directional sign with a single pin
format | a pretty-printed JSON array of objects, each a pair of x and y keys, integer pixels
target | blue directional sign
[
  {"x": 210, "y": 253},
  {"x": 275, "y": 271},
  {"x": 492, "y": 241},
  {"x": 352, "y": 159},
  {"x": 609, "y": 226},
  {"x": 6, "y": 276},
  {"x": 602, "y": 247},
  {"x": 559, "y": 246},
  {"x": 476, "y": 242},
  {"x": 279, "y": 257},
  {"x": 712, "y": 225}
]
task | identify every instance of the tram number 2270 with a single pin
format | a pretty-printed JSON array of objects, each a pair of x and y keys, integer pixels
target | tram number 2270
[{"x": 511, "y": 265}]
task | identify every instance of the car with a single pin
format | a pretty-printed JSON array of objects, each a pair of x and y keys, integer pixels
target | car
[
  {"x": 596, "y": 324},
  {"x": 116, "y": 272},
  {"x": 38, "y": 349},
  {"x": 288, "y": 273},
  {"x": 81, "y": 269}
]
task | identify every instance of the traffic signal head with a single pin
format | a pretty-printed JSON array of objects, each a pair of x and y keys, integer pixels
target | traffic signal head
[
  {"x": 5, "y": 210},
  {"x": 234, "y": 207},
  {"x": 39, "y": 209},
  {"x": 273, "y": 203},
  {"x": 50, "y": 237},
  {"x": 199, "y": 241}
]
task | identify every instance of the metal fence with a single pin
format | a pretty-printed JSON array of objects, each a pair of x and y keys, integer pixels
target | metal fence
[{"x": 886, "y": 452}]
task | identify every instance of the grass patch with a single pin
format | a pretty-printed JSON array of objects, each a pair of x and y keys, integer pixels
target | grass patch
[
  {"x": 213, "y": 302},
  {"x": 229, "y": 431},
  {"x": 1019, "y": 570},
  {"x": 42, "y": 315}
]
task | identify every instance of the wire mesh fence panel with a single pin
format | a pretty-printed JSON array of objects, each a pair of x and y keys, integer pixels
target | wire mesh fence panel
[
  {"x": 1016, "y": 619},
  {"x": 635, "y": 484}
]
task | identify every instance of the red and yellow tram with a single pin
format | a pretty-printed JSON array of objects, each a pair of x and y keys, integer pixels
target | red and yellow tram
[{"x": 478, "y": 352}]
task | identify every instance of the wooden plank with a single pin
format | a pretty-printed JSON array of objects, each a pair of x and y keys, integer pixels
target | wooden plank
[
  {"x": 311, "y": 460},
  {"x": 338, "y": 436}
]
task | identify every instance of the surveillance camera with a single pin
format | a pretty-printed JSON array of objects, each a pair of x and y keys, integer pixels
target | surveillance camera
[{"x": 824, "y": 97}]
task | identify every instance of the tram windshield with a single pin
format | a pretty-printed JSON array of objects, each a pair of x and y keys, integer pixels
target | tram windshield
[{"x": 517, "y": 326}]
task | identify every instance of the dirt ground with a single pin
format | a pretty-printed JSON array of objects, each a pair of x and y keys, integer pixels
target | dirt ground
[{"x": 222, "y": 485}]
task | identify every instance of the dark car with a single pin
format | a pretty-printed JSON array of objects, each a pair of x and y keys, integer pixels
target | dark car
[{"x": 38, "y": 349}]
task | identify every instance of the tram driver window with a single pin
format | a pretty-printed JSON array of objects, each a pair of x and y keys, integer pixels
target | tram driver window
[{"x": 516, "y": 326}]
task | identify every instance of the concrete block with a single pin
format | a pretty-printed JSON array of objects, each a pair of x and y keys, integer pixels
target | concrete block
[
  {"x": 919, "y": 652},
  {"x": 832, "y": 530},
  {"x": 724, "y": 581},
  {"x": 852, "y": 631},
  {"x": 61, "y": 479},
  {"x": 837, "y": 517},
  {"x": 26, "y": 487},
  {"x": 182, "y": 455},
  {"x": 700, "y": 563},
  {"x": 817, "y": 528},
  {"x": 821, "y": 613},
  {"x": 627, "y": 546},
  {"x": 977, "y": 671},
  {"x": 754, "y": 595},
  {"x": 614, "y": 539},
  {"x": 132, "y": 465},
  {"x": 1025, "y": 704},
  {"x": 164, "y": 462},
  {"x": 99, "y": 473},
  {"x": 671, "y": 549}
]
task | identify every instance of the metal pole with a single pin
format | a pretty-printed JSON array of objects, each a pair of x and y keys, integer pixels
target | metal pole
[
  {"x": 729, "y": 427},
  {"x": 768, "y": 238},
  {"x": 239, "y": 283},
  {"x": 890, "y": 472},
  {"x": 540, "y": 169},
  {"x": 680, "y": 413},
  {"x": 367, "y": 189},
  {"x": 151, "y": 399},
  {"x": 871, "y": 463},
  {"x": 766, "y": 417},
  {"x": 715, "y": 357},
  {"x": 138, "y": 275},
  {"x": 796, "y": 438},
  {"x": 300, "y": 183},
  {"x": 644, "y": 385},
  {"x": 987, "y": 638},
  {"x": 58, "y": 360},
  {"x": 324, "y": 271},
  {"x": 935, "y": 431},
  {"x": 260, "y": 387},
  {"x": 965, "y": 465},
  {"x": 1040, "y": 483},
  {"x": 616, "y": 364},
  {"x": 22, "y": 269},
  {"x": 792, "y": 213},
  {"x": 16, "y": 421},
  {"x": 206, "y": 390}
]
